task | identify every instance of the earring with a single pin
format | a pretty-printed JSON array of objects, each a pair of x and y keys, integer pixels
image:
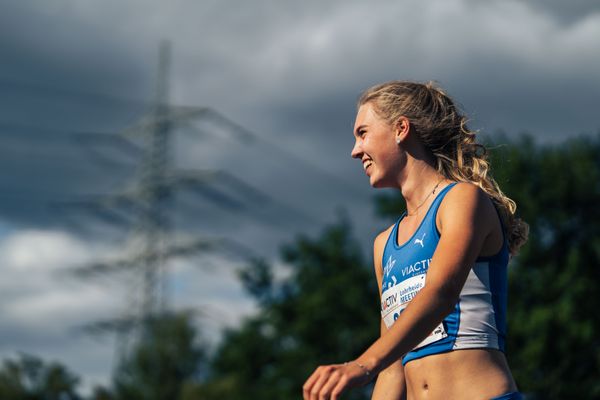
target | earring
[{"x": 398, "y": 140}]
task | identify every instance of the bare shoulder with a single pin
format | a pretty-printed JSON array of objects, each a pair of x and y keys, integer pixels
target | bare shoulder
[
  {"x": 381, "y": 238},
  {"x": 465, "y": 192},
  {"x": 464, "y": 203}
]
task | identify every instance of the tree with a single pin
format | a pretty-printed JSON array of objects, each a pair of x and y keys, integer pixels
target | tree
[
  {"x": 324, "y": 312},
  {"x": 164, "y": 361},
  {"x": 553, "y": 320},
  {"x": 29, "y": 378}
]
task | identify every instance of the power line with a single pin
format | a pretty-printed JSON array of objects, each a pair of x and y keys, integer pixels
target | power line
[
  {"x": 148, "y": 200},
  {"x": 182, "y": 112}
]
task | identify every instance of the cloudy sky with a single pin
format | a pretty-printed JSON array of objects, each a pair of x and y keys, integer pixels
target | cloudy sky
[{"x": 287, "y": 72}]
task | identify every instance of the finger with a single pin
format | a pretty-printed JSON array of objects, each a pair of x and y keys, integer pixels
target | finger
[
  {"x": 328, "y": 386},
  {"x": 323, "y": 378},
  {"x": 314, "y": 383},
  {"x": 309, "y": 383},
  {"x": 339, "y": 388}
]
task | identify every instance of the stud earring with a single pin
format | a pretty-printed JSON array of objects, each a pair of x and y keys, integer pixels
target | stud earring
[{"x": 398, "y": 140}]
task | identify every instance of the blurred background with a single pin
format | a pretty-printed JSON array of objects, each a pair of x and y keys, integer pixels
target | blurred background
[{"x": 180, "y": 217}]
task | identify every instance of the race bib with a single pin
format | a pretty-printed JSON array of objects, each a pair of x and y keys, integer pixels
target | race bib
[{"x": 395, "y": 299}]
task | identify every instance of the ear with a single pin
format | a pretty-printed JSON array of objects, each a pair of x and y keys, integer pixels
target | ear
[{"x": 402, "y": 128}]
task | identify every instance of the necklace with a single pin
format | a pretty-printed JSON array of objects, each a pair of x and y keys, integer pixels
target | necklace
[{"x": 424, "y": 200}]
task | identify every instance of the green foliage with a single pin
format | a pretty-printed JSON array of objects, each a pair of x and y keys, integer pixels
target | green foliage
[
  {"x": 553, "y": 345},
  {"x": 165, "y": 360},
  {"x": 29, "y": 378},
  {"x": 101, "y": 393},
  {"x": 553, "y": 325},
  {"x": 258, "y": 280},
  {"x": 324, "y": 312}
]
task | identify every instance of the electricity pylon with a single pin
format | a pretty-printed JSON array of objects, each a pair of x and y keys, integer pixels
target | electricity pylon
[{"x": 149, "y": 198}]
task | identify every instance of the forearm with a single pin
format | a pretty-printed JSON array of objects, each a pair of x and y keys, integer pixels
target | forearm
[
  {"x": 390, "y": 383},
  {"x": 418, "y": 320}
]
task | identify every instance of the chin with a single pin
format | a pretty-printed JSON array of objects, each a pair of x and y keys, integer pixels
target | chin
[
  {"x": 375, "y": 183},
  {"x": 380, "y": 183}
]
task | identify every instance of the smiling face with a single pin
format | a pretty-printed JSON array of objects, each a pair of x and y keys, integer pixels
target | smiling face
[{"x": 375, "y": 145}]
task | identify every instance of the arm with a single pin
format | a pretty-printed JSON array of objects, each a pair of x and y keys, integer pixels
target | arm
[
  {"x": 390, "y": 383},
  {"x": 465, "y": 219}
]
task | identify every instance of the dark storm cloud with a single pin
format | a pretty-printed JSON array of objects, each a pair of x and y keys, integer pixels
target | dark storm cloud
[
  {"x": 73, "y": 80},
  {"x": 290, "y": 73},
  {"x": 46, "y": 43},
  {"x": 52, "y": 80},
  {"x": 567, "y": 12},
  {"x": 511, "y": 67}
]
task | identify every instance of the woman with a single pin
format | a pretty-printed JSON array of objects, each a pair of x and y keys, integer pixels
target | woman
[{"x": 443, "y": 339}]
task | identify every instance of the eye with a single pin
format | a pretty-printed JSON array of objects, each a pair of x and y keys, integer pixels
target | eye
[{"x": 361, "y": 133}]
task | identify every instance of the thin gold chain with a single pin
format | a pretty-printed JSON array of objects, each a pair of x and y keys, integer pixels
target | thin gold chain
[{"x": 423, "y": 202}]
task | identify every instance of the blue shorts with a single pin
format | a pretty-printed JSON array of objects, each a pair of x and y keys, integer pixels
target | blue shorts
[{"x": 509, "y": 396}]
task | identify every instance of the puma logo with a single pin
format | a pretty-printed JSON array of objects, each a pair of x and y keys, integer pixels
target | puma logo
[{"x": 420, "y": 241}]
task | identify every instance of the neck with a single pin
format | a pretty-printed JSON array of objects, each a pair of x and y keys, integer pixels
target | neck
[{"x": 417, "y": 183}]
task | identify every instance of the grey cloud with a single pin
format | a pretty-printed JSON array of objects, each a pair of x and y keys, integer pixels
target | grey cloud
[
  {"x": 565, "y": 12},
  {"x": 291, "y": 74}
]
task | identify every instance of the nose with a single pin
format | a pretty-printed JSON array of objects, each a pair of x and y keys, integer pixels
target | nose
[{"x": 356, "y": 150}]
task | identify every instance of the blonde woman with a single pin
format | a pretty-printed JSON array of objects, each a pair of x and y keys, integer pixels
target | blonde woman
[{"x": 441, "y": 268}]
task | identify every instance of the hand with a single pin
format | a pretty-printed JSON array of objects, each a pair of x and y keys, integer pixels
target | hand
[{"x": 329, "y": 381}]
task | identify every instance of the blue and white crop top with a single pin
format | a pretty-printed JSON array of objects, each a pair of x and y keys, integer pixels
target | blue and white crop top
[{"x": 479, "y": 317}]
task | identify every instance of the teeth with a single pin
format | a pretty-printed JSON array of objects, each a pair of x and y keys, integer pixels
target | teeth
[{"x": 366, "y": 164}]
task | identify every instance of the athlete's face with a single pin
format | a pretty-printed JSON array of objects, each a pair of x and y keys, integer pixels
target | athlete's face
[{"x": 375, "y": 145}]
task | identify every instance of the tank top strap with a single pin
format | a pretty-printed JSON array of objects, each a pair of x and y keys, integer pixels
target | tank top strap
[
  {"x": 433, "y": 209},
  {"x": 394, "y": 233},
  {"x": 438, "y": 199}
]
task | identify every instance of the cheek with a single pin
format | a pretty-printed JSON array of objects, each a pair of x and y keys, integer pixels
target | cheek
[
  {"x": 366, "y": 142},
  {"x": 372, "y": 146}
]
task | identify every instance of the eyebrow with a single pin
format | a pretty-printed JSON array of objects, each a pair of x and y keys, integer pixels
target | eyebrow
[{"x": 358, "y": 128}]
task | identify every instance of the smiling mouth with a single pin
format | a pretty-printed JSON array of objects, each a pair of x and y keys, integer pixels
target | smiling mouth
[{"x": 367, "y": 164}]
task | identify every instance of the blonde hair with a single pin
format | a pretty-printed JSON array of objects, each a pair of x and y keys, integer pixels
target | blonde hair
[{"x": 443, "y": 130}]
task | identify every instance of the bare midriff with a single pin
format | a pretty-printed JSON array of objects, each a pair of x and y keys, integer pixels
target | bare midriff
[{"x": 461, "y": 374}]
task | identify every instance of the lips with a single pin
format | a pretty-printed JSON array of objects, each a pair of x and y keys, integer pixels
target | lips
[{"x": 367, "y": 164}]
